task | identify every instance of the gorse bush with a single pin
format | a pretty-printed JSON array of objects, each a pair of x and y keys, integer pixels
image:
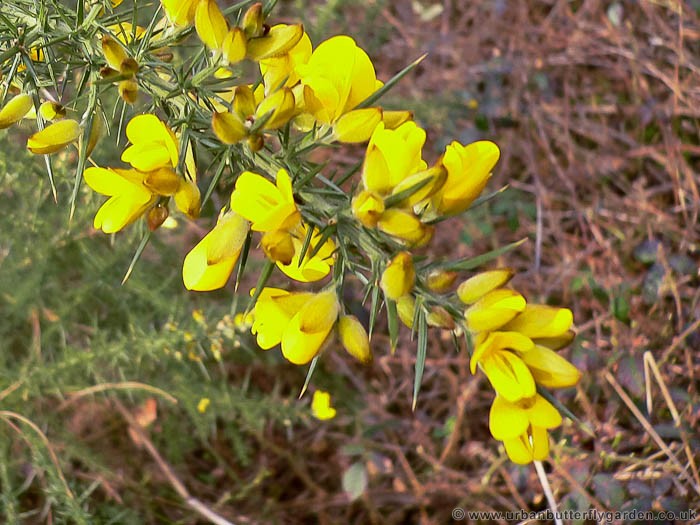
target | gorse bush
[{"x": 225, "y": 109}]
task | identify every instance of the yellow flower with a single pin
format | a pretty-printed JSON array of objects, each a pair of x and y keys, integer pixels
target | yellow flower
[
  {"x": 50, "y": 110},
  {"x": 506, "y": 371},
  {"x": 210, "y": 24},
  {"x": 549, "y": 369},
  {"x": 153, "y": 144},
  {"x": 494, "y": 310},
  {"x": 187, "y": 198},
  {"x": 368, "y": 207},
  {"x": 281, "y": 69},
  {"x": 15, "y": 110},
  {"x": 268, "y": 206},
  {"x": 539, "y": 320},
  {"x": 203, "y": 405},
  {"x": 117, "y": 57},
  {"x": 180, "y": 12},
  {"x": 276, "y": 43},
  {"x": 129, "y": 197},
  {"x": 468, "y": 170},
  {"x": 277, "y": 108},
  {"x": 399, "y": 276},
  {"x": 321, "y": 406},
  {"x": 278, "y": 245},
  {"x": 209, "y": 265},
  {"x": 392, "y": 156},
  {"x": 405, "y": 226},
  {"x": 523, "y": 426},
  {"x": 312, "y": 268},
  {"x": 474, "y": 288},
  {"x": 54, "y": 137},
  {"x": 337, "y": 77},
  {"x": 234, "y": 46},
  {"x": 354, "y": 338},
  {"x": 357, "y": 126},
  {"x": 299, "y": 321}
]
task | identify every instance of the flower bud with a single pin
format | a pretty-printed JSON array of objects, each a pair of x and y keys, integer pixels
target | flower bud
[
  {"x": 156, "y": 216},
  {"x": 482, "y": 283},
  {"x": 50, "y": 110},
  {"x": 278, "y": 246},
  {"x": 354, "y": 338},
  {"x": 367, "y": 207},
  {"x": 399, "y": 276},
  {"x": 54, "y": 137},
  {"x": 253, "y": 21},
  {"x": 440, "y": 281},
  {"x": 210, "y": 24},
  {"x": 228, "y": 127},
  {"x": 113, "y": 52},
  {"x": 440, "y": 318},
  {"x": 15, "y": 110},
  {"x": 129, "y": 91}
]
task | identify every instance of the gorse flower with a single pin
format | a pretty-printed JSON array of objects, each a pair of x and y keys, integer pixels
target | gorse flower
[
  {"x": 321, "y": 406},
  {"x": 54, "y": 137},
  {"x": 298, "y": 321},
  {"x": 209, "y": 264},
  {"x": 15, "y": 110},
  {"x": 266, "y": 205}
]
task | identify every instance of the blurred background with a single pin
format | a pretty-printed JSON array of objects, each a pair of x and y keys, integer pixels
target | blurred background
[{"x": 595, "y": 106}]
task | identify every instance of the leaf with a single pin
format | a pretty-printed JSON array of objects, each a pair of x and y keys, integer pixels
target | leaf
[
  {"x": 393, "y": 321},
  {"x": 262, "y": 280},
  {"x": 137, "y": 255},
  {"x": 420, "y": 354},
  {"x": 310, "y": 373},
  {"x": 475, "y": 262},
  {"x": 355, "y": 481}
]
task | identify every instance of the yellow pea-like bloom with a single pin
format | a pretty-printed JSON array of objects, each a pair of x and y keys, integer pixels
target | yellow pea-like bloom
[
  {"x": 267, "y": 206},
  {"x": 392, "y": 156},
  {"x": 283, "y": 68},
  {"x": 474, "y": 288},
  {"x": 209, "y": 265},
  {"x": 321, "y": 406},
  {"x": 337, "y": 77},
  {"x": 54, "y": 137},
  {"x": 311, "y": 268},
  {"x": 494, "y": 310},
  {"x": 399, "y": 276},
  {"x": 506, "y": 371},
  {"x": 549, "y": 369},
  {"x": 357, "y": 125},
  {"x": 539, "y": 320},
  {"x": 277, "y": 108},
  {"x": 301, "y": 322},
  {"x": 153, "y": 144},
  {"x": 276, "y": 43},
  {"x": 234, "y": 46},
  {"x": 523, "y": 426},
  {"x": 404, "y": 225},
  {"x": 180, "y": 12},
  {"x": 228, "y": 127},
  {"x": 129, "y": 198},
  {"x": 354, "y": 338},
  {"x": 210, "y": 24},
  {"x": 188, "y": 198},
  {"x": 468, "y": 170},
  {"x": 278, "y": 245},
  {"x": 15, "y": 110},
  {"x": 368, "y": 207}
]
